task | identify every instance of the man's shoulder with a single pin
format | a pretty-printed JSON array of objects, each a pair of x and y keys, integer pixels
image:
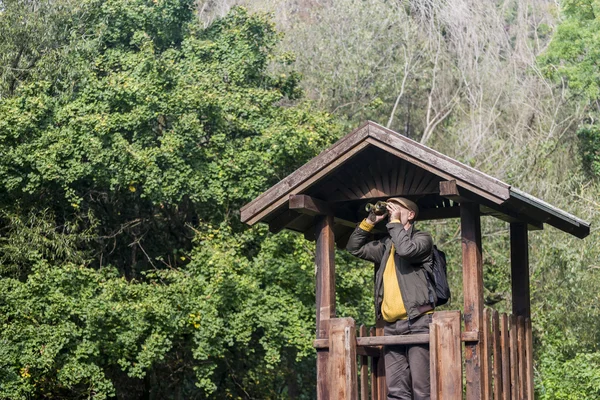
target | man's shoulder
[{"x": 422, "y": 234}]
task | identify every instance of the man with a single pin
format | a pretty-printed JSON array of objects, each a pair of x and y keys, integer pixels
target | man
[{"x": 404, "y": 295}]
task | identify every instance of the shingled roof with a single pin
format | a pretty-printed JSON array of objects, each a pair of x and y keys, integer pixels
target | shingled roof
[{"x": 373, "y": 163}]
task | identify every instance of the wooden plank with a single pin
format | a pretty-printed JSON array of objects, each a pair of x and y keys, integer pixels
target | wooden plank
[
  {"x": 521, "y": 356},
  {"x": 514, "y": 359},
  {"x": 486, "y": 356},
  {"x": 417, "y": 180},
  {"x": 364, "y": 369},
  {"x": 342, "y": 148},
  {"x": 435, "y": 367},
  {"x": 394, "y": 168},
  {"x": 408, "y": 178},
  {"x": 391, "y": 340},
  {"x": 438, "y": 213},
  {"x": 519, "y": 266},
  {"x": 401, "y": 176},
  {"x": 529, "y": 359},
  {"x": 425, "y": 182},
  {"x": 375, "y": 173},
  {"x": 505, "y": 345},
  {"x": 325, "y": 297},
  {"x": 374, "y": 361},
  {"x": 497, "y": 353},
  {"x": 309, "y": 205},
  {"x": 343, "y": 378},
  {"x": 257, "y": 210},
  {"x": 473, "y": 295},
  {"x": 438, "y": 161},
  {"x": 420, "y": 338},
  {"x": 446, "y": 363},
  {"x": 384, "y": 173}
]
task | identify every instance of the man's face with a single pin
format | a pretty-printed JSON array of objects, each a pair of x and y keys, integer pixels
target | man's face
[
  {"x": 396, "y": 211},
  {"x": 406, "y": 215}
]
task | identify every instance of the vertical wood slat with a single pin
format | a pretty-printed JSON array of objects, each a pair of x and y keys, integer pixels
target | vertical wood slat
[
  {"x": 497, "y": 352},
  {"x": 384, "y": 172},
  {"x": 434, "y": 366},
  {"x": 514, "y": 359},
  {"x": 325, "y": 297},
  {"x": 394, "y": 166},
  {"x": 521, "y": 357},
  {"x": 374, "y": 361},
  {"x": 401, "y": 176},
  {"x": 473, "y": 294},
  {"x": 505, "y": 345},
  {"x": 343, "y": 377},
  {"x": 529, "y": 359},
  {"x": 381, "y": 384},
  {"x": 486, "y": 364},
  {"x": 364, "y": 369},
  {"x": 446, "y": 356}
]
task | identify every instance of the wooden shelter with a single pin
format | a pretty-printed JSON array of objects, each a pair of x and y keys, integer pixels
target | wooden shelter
[{"x": 324, "y": 199}]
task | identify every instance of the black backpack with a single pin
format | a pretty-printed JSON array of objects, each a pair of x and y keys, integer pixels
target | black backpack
[{"x": 439, "y": 277}]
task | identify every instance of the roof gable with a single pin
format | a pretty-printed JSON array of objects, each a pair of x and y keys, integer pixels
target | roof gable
[{"x": 373, "y": 162}]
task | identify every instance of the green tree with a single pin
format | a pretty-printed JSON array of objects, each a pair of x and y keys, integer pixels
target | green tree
[
  {"x": 126, "y": 153},
  {"x": 572, "y": 58}
]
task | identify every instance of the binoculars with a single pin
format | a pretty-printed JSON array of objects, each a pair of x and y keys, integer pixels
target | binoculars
[{"x": 377, "y": 208}]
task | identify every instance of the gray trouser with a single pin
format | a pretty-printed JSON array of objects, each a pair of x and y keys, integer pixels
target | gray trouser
[{"x": 407, "y": 367}]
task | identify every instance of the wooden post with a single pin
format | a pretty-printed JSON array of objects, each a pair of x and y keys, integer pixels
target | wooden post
[
  {"x": 446, "y": 356},
  {"x": 343, "y": 377},
  {"x": 325, "y": 264},
  {"x": 519, "y": 267},
  {"x": 473, "y": 294}
]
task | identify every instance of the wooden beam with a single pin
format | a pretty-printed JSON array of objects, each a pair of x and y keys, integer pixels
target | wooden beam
[
  {"x": 451, "y": 190},
  {"x": 473, "y": 294},
  {"x": 309, "y": 205},
  {"x": 325, "y": 297},
  {"x": 519, "y": 267},
  {"x": 439, "y": 213}
]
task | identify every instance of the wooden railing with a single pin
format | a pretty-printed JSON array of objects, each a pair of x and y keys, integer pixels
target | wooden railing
[{"x": 506, "y": 355}]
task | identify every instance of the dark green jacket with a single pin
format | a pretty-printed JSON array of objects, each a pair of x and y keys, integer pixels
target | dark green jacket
[{"x": 413, "y": 261}]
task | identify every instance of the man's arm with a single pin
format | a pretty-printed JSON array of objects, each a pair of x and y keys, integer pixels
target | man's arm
[
  {"x": 360, "y": 246},
  {"x": 415, "y": 249}
]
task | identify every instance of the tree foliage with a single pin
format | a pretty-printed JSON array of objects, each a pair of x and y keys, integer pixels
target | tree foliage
[{"x": 126, "y": 271}]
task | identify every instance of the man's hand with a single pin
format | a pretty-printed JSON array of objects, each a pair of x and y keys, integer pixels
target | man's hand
[
  {"x": 374, "y": 218},
  {"x": 394, "y": 211}
]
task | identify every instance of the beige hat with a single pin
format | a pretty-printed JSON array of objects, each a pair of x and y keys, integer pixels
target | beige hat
[{"x": 406, "y": 203}]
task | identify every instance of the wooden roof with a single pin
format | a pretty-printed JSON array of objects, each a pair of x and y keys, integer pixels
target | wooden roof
[{"x": 373, "y": 163}]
